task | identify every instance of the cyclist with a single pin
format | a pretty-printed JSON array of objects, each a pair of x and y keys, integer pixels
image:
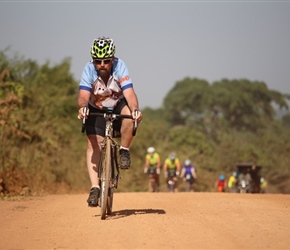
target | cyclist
[
  {"x": 106, "y": 83},
  {"x": 263, "y": 185},
  {"x": 171, "y": 169},
  {"x": 188, "y": 174},
  {"x": 152, "y": 167},
  {"x": 221, "y": 183},
  {"x": 232, "y": 183}
]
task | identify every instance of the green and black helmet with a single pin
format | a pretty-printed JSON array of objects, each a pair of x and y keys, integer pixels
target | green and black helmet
[{"x": 103, "y": 47}]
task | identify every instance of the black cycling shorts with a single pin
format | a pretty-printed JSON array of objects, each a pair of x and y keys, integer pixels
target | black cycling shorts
[{"x": 96, "y": 125}]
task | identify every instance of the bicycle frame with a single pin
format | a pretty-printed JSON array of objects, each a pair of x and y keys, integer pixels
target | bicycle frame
[
  {"x": 108, "y": 170},
  {"x": 152, "y": 179}
]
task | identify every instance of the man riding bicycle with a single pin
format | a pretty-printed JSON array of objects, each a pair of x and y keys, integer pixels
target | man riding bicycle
[
  {"x": 106, "y": 83},
  {"x": 171, "y": 169},
  {"x": 152, "y": 168},
  {"x": 188, "y": 174}
]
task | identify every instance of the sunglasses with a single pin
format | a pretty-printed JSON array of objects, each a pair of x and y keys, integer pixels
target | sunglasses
[{"x": 105, "y": 61}]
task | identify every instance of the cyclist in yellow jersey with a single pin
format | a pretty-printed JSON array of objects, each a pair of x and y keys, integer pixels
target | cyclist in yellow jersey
[
  {"x": 152, "y": 168},
  {"x": 263, "y": 185},
  {"x": 232, "y": 183},
  {"x": 171, "y": 169}
]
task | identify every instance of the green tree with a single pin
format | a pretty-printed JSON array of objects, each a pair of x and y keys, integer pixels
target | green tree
[
  {"x": 186, "y": 100},
  {"x": 245, "y": 105}
]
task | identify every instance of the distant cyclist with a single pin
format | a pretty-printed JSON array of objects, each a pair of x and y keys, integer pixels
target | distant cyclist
[
  {"x": 232, "y": 183},
  {"x": 188, "y": 174},
  {"x": 171, "y": 169},
  {"x": 221, "y": 184},
  {"x": 152, "y": 168},
  {"x": 263, "y": 185}
]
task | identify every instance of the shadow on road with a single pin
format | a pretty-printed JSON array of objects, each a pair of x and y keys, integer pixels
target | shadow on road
[{"x": 129, "y": 212}]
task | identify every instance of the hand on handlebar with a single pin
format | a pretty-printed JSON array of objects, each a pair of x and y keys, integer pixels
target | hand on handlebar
[
  {"x": 137, "y": 115},
  {"x": 83, "y": 113}
]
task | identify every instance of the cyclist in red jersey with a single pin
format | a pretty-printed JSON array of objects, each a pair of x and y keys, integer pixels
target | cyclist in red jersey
[{"x": 221, "y": 184}]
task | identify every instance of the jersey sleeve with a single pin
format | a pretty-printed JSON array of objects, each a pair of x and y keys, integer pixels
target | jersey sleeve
[
  {"x": 88, "y": 77},
  {"x": 123, "y": 75}
]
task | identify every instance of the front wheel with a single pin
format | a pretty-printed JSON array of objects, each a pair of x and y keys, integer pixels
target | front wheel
[
  {"x": 187, "y": 186},
  {"x": 171, "y": 185},
  {"x": 110, "y": 201},
  {"x": 105, "y": 179}
]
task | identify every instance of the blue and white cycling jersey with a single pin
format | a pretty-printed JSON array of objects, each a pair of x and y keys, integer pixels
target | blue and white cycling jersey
[{"x": 103, "y": 95}]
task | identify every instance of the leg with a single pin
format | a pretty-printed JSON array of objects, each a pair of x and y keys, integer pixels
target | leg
[
  {"x": 175, "y": 184},
  {"x": 126, "y": 129},
  {"x": 93, "y": 158},
  {"x": 157, "y": 182},
  {"x": 151, "y": 183},
  {"x": 126, "y": 139}
]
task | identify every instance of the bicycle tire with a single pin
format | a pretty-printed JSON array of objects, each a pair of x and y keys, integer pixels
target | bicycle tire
[
  {"x": 171, "y": 185},
  {"x": 152, "y": 184},
  {"x": 111, "y": 187},
  {"x": 105, "y": 179},
  {"x": 110, "y": 201},
  {"x": 187, "y": 186}
]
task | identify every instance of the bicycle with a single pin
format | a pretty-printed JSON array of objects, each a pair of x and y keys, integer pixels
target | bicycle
[
  {"x": 108, "y": 170},
  {"x": 171, "y": 180},
  {"x": 188, "y": 182},
  {"x": 153, "y": 177}
]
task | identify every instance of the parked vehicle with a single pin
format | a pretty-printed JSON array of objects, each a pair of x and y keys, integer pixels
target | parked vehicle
[{"x": 248, "y": 177}]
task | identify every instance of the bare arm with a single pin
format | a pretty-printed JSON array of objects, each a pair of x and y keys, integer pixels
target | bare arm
[
  {"x": 131, "y": 98},
  {"x": 178, "y": 166},
  {"x": 193, "y": 173},
  {"x": 158, "y": 162},
  {"x": 83, "y": 100},
  {"x": 182, "y": 173},
  {"x": 132, "y": 101},
  {"x": 146, "y": 163},
  {"x": 165, "y": 167}
]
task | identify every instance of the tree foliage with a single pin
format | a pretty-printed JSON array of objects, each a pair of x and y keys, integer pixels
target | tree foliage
[{"x": 37, "y": 119}]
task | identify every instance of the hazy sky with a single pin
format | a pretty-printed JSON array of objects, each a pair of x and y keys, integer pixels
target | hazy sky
[{"x": 161, "y": 42}]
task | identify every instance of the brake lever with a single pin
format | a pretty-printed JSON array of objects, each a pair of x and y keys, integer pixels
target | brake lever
[
  {"x": 135, "y": 123},
  {"x": 84, "y": 119}
]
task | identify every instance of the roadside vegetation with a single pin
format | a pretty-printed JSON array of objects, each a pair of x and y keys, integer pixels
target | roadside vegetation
[{"x": 216, "y": 125}]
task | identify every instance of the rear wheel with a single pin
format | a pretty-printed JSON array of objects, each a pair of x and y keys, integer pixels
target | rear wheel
[{"x": 105, "y": 179}]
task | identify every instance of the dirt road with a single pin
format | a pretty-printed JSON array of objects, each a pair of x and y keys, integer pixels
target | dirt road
[{"x": 148, "y": 221}]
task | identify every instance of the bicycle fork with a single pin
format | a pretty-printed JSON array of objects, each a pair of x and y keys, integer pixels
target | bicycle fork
[{"x": 115, "y": 170}]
